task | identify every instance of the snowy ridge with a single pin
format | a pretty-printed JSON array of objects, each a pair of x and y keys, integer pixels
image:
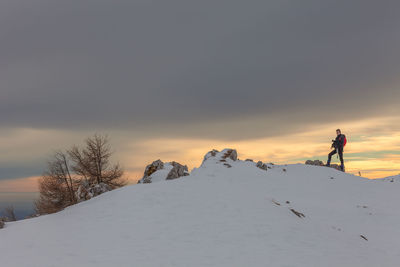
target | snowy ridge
[
  {"x": 391, "y": 178},
  {"x": 220, "y": 215}
]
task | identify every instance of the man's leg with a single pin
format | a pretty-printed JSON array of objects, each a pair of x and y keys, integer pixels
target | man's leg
[
  {"x": 328, "y": 163},
  {"x": 341, "y": 159}
]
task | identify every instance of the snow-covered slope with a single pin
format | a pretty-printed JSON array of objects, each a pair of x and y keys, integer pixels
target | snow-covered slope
[
  {"x": 226, "y": 213},
  {"x": 391, "y": 178}
]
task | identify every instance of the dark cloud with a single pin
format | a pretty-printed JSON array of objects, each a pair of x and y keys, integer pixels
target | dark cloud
[{"x": 152, "y": 65}]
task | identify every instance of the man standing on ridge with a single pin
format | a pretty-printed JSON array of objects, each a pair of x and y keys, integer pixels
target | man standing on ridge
[{"x": 338, "y": 144}]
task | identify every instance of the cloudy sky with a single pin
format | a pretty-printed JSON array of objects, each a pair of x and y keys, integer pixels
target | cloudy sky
[{"x": 174, "y": 79}]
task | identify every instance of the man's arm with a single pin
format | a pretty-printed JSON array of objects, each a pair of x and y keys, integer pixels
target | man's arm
[{"x": 334, "y": 143}]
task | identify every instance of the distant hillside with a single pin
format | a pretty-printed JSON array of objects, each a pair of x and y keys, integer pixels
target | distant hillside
[{"x": 23, "y": 203}]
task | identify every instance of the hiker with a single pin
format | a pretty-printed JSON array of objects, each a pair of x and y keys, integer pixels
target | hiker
[{"x": 338, "y": 145}]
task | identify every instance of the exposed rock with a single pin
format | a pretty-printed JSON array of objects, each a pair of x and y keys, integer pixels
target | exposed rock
[
  {"x": 315, "y": 162},
  {"x": 150, "y": 169},
  {"x": 276, "y": 202},
  {"x": 229, "y": 153},
  {"x": 249, "y": 160},
  {"x": 210, "y": 154},
  {"x": 177, "y": 171},
  {"x": 86, "y": 191},
  {"x": 159, "y": 171},
  {"x": 321, "y": 163},
  {"x": 262, "y": 165},
  {"x": 298, "y": 214},
  {"x": 1, "y": 223},
  {"x": 223, "y": 156}
]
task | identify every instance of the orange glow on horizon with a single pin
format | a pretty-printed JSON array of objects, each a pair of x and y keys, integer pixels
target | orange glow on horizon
[
  {"x": 29, "y": 184},
  {"x": 291, "y": 148},
  {"x": 373, "y": 149}
]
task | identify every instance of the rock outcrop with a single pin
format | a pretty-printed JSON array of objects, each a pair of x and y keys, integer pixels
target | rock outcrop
[
  {"x": 178, "y": 170},
  {"x": 321, "y": 163},
  {"x": 150, "y": 169},
  {"x": 262, "y": 165},
  {"x": 1, "y": 223},
  {"x": 158, "y": 171},
  {"x": 86, "y": 191},
  {"x": 229, "y": 153},
  {"x": 210, "y": 154},
  {"x": 315, "y": 162},
  {"x": 224, "y": 156}
]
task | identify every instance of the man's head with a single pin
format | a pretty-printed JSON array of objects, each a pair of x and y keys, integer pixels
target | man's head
[{"x": 338, "y": 131}]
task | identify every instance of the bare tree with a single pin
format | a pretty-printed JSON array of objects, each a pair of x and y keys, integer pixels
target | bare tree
[
  {"x": 59, "y": 169},
  {"x": 10, "y": 214},
  {"x": 81, "y": 164},
  {"x": 66, "y": 172},
  {"x": 57, "y": 187},
  {"x": 93, "y": 162}
]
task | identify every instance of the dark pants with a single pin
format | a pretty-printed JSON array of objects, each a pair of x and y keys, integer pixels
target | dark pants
[{"x": 340, "y": 151}]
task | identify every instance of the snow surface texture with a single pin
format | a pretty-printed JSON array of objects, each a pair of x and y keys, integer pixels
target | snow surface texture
[{"x": 220, "y": 215}]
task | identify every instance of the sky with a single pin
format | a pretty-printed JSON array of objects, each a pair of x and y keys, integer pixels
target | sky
[{"x": 175, "y": 79}]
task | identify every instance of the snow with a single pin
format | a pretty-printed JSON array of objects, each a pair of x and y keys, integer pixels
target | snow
[
  {"x": 391, "y": 178},
  {"x": 160, "y": 175},
  {"x": 220, "y": 216}
]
